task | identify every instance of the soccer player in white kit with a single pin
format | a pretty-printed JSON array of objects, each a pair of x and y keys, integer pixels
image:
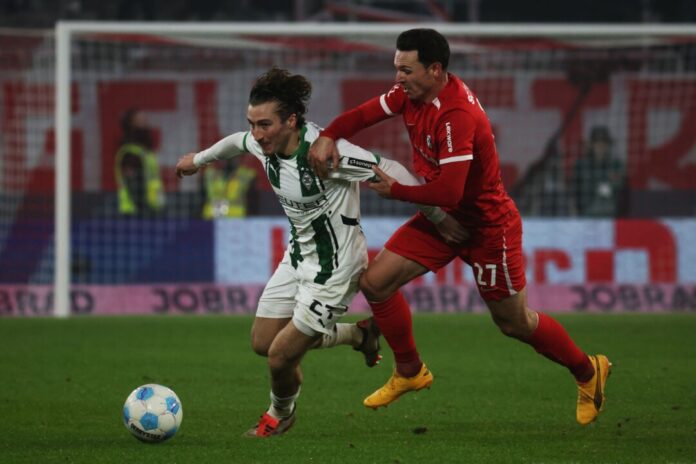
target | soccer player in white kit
[{"x": 318, "y": 276}]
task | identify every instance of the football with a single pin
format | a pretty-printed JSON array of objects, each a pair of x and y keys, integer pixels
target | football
[{"x": 152, "y": 413}]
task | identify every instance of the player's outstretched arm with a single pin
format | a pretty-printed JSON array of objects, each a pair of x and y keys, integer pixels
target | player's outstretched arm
[
  {"x": 382, "y": 183},
  {"x": 344, "y": 126},
  {"x": 359, "y": 165},
  {"x": 185, "y": 166},
  {"x": 446, "y": 190},
  {"x": 226, "y": 148},
  {"x": 389, "y": 172}
]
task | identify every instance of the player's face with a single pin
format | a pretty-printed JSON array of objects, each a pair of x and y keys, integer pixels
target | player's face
[
  {"x": 417, "y": 81},
  {"x": 272, "y": 134}
]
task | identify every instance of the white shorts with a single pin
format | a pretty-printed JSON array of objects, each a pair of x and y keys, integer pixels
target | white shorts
[{"x": 314, "y": 308}]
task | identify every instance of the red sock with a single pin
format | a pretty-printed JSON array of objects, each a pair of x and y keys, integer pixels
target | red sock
[
  {"x": 551, "y": 340},
  {"x": 393, "y": 317}
]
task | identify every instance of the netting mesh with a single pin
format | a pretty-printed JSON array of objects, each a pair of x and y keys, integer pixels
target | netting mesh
[
  {"x": 26, "y": 164},
  {"x": 584, "y": 128},
  {"x": 544, "y": 97}
]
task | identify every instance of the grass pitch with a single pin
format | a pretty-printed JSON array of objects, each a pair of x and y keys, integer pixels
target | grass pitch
[{"x": 63, "y": 383}]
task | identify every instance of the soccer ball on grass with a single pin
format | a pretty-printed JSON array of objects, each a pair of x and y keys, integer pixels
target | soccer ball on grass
[{"x": 152, "y": 413}]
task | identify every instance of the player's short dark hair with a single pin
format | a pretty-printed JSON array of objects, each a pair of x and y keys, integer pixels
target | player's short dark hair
[
  {"x": 432, "y": 46},
  {"x": 291, "y": 92}
]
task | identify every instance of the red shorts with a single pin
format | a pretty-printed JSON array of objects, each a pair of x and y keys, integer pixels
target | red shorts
[{"x": 494, "y": 253}]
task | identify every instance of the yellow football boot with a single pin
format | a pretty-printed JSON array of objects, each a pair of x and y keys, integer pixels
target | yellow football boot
[
  {"x": 397, "y": 386},
  {"x": 591, "y": 393}
]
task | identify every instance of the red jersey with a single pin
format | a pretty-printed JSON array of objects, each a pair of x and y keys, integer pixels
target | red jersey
[{"x": 453, "y": 128}]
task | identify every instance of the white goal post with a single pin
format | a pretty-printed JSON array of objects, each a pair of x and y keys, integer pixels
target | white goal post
[{"x": 218, "y": 35}]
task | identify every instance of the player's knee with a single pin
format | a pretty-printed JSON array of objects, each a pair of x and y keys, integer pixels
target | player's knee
[
  {"x": 509, "y": 328},
  {"x": 278, "y": 361},
  {"x": 260, "y": 345},
  {"x": 516, "y": 328},
  {"x": 371, "y": 290}
]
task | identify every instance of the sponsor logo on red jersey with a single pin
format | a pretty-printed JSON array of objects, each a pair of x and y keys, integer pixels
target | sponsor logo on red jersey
[{"x": 448, "y": 126}]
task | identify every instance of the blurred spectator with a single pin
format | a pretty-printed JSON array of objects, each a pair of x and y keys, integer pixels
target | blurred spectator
[
  {"x": 138, "y": 178},
  {"x": 599, "y": 177},
  {"x": 553, "y": 199},
  {"x": 544, "y": 189},
  {"x": 227, "y": 187}
]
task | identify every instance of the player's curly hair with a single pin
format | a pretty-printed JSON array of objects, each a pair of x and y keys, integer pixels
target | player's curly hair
[
  {"x": 290, "y": 91},
  {"x": 432, "y": 46}
]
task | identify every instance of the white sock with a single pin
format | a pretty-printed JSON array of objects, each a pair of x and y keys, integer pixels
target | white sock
[
  {"x": 282, "y": 408},
  {"x": 343, "y": 334}
]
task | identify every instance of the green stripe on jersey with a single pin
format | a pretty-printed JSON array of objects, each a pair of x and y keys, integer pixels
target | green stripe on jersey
[
  {"x": 295, "y": 254},
  {"x": 326, "y": 248},
  {"x": 310, "y": 184}
]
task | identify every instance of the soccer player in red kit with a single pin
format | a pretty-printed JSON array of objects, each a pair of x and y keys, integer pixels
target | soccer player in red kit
[{"x": 454, "y": 150}]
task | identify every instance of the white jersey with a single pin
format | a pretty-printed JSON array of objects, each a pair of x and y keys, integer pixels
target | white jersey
[
  {"x": 326, "y": 240},
  {"x": 326, "y": 243}
]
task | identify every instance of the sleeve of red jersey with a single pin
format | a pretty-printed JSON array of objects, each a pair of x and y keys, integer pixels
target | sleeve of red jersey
[
  {"x": 369, "y": 113},
  {"x": 455, "y": 142}
]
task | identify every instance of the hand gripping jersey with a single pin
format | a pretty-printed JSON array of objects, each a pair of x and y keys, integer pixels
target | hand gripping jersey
[
  {"x": 453, "y": 128},
  {"x": 326, "y": 243}
]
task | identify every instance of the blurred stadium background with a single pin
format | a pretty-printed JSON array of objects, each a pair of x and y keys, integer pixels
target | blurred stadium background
[{"x": 603, "y": 237}]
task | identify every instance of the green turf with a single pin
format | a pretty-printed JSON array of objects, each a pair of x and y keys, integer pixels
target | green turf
[{"x": 63, "y": 383}]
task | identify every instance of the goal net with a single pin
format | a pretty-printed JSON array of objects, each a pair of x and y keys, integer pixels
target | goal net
[{"x": 553, "y": 94}]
